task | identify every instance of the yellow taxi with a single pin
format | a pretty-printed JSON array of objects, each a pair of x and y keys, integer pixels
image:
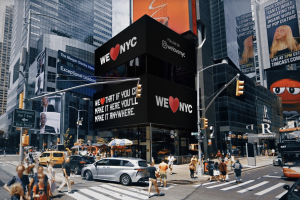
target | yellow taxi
[{"x": 57, "y": 157}]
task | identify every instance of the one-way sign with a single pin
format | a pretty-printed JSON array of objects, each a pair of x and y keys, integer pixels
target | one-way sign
[{"x": 24, "y": 118}]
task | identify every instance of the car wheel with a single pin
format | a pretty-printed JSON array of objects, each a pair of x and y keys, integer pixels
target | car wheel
[
  {"x": 125, "y": 179},
  {"x": 76, "y": 170},
  {"x": 88, "y": 176}
]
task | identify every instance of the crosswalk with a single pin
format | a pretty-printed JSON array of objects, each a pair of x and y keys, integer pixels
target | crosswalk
[
  {"x": 258, "y": 187},
  {"x": 111, "y": 192}
]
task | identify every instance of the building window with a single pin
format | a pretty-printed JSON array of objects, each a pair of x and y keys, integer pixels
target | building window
[
  {"x": 51, "y": 77},
  {"x": 51, "y": 61},
  {"x": 50, "y": 89}
]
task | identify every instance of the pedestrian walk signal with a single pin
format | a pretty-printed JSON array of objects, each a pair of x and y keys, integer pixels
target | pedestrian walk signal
[
  {"x": 138, "y": 90},
  {"x": 239, "y": 88}
]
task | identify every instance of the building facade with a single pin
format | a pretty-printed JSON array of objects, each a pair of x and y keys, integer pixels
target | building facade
[{"x": 5, "y": 55}]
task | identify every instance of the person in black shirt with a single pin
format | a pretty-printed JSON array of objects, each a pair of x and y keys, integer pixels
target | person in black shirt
[
  {"x": 152, "y": 178},
  {"x": 66, "y": 173}
]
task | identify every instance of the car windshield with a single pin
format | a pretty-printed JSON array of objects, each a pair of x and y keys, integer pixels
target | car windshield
[
  {"x": 142, "y": 163},
  {"x": 57, "y": 155},
  {"x": 88, "y": 159}
]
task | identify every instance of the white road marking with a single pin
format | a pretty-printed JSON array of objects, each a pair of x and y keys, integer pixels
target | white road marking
[
  {"x": 134, "y": 189},
  {"x": 112, "y": 193},
  {"x": 238, "y": 185},
  {"x": 95, "y": 194},
  {"x": 124, "y": 191},
  {"x": 208, "y": 183},
  {"x": 270, "y": 189},
  {"x": 280, "y": 195},
  {"x": 78, "y": 196},
  {"x": 253, "y": 187},
  {"x": 267, "y": 176},
  {"x": 220, "y": 185}
]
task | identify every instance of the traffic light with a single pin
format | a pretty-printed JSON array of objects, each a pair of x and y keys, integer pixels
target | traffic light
[
  {"x": 138, "y": 90},
  {"x": 21, "y": 96},
  {"x": 204, "y": 123},
  {"x": 239, "y": 88},
  {"x": 25, "y": 140}
]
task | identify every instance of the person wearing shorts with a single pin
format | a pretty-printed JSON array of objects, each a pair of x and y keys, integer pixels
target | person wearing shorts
[
  {"x": 152, "y": 179},
  {"x": 163, "y": 173},
  {"x": 171, "y": 162},
  {"x": 223, "y": 170}
]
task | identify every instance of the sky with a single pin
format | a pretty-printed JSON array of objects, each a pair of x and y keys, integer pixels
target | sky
[
  {"x": 120, "y": 14},
  {"x": 3, "y": 4}
]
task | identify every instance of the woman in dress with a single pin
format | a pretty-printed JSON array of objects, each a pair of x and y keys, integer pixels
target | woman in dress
[{"x": 51, "y": 175}]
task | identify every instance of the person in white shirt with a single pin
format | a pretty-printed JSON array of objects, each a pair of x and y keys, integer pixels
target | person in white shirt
[
  {"x": 171, "y": 162},
  {"x": 273, "y": 152}
]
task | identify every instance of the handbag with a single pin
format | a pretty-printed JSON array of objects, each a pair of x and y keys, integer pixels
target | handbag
[{"x": 216, "y": 173}]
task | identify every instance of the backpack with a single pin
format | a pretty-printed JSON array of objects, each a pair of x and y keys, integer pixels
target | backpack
[
  {"x": 45, "y": 190},
  {"x": 37, "y": 185},
  {"x": 237, "y": 166}
]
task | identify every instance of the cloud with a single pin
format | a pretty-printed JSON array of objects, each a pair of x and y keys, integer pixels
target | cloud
[{"x": 120, "y": 15}]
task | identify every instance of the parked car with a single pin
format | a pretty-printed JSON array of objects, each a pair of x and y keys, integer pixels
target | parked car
[
  {"x": 57, "y": 157},
  {"x": 277, "y": 160},
  {"x": 77, "y": 162},
  {"x": 124, "y": 170},
  {"x": 293, "y": 192}
]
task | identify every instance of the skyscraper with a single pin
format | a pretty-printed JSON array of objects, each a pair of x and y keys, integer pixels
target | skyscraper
[{"x": 5, "y": 55}]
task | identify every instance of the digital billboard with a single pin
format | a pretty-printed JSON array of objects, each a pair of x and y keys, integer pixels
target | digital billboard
[
  {"x": 178, "y": 15},
  {"x": 75, "y": 60},
  {"x": 282, "y": 32},
  {"x": 244, "y": 30},
  {"x": 286, "y": 84},
  {"x": 162, "y": 102}
]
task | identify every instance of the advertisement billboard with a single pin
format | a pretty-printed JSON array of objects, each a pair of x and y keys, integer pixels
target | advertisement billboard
[
  {"x": 178, "y": 15},
  {"x": 145, "y": 36},
  {"x": 49, "y": 108},
  {"x": 286, "y": 84},
  {"x": 282, "y": 32},
  {"x": 70, "y": 71},
  {"x": 244, "y": 30},
  {"x": 40, "y": 73},
  {"x": 162, "y": 102},
  {"x": 75, "y": 60},
  {"x": 39, "y": 84}
]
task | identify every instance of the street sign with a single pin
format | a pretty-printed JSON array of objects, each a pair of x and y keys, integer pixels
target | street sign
[
  {"x": 194, "y": 133},
  {"x": 24, "y": 118}
]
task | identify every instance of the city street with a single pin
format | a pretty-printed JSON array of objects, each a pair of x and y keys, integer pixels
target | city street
[{"x": 262, "y": 183}]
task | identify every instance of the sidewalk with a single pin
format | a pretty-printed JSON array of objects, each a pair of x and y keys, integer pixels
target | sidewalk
[{"x": 182, "y": 172}]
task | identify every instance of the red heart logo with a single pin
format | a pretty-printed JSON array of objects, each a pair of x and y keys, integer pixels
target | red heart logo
[
  {"x": 114, "y": 52},
  {"x": 102, "y": 100},
  {"x": 174, "y": 104}
]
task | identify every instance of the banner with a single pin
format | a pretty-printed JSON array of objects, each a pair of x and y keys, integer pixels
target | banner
[
  {"x": 244, "y": 30},
  {"x": 75, "y": 60},
  {"x": 282, "y": 32},
  {"x": 64, "y": 69},
  {"x": 286, "y": 84},
  {"x": 40, "y": 73}
]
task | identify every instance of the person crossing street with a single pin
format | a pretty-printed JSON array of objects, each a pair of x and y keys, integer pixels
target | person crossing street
[
  {"x": 66, "y": 172},
  {"x": 163, "y": 167},
  {"x": 223, "y": 170},
  {"x": 237, "y": 170},
  {"x": 152, "y": 179},
  {"x": 171, "y": 162}
]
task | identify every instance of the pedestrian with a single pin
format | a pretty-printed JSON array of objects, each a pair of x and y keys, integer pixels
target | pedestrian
[
  {"x": 210, "y": 167},
  {"x": 273, "y": 152},
  {"x": 4, "y": 152},
  {"x": 223, "y": 170},
  {"x": 41, "y": 191},
  {"x": 226, "y": 159},
  {"x": 22, "y": 179},
  {"x": 219, "y": 155},
  {"x": 266, "y": 152},
  {"x": 192, "y": 167},
  {"x": 270, "y": 153},
  {"x": 163, "y": 173},
  {"x": 196, "y": 163},
  {"x": 217, "y": 171},
  {"x": 35, "y": 180},
  {"x": 16, "y": 191},
  {"x": 51, "y": 175},
  {"x": 237, "y": 170},
  {"x": 66, "y": 173},
  {"x": 152, "y": 179},
  {"x": 171, "y": 162}
]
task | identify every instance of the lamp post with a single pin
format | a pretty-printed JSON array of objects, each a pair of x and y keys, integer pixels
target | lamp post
[{"x": 79, "y": 122}]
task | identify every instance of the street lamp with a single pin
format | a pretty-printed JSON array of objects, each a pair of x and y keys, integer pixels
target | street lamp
[{"x": 79, "y": 122}]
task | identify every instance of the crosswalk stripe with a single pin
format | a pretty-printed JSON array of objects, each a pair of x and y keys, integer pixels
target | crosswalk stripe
[
  {"x": 253, "y": 187},
  {"x": 220, "y": 185},
  {"x": 134, "y": 189},
  {"x": 281, "y": 194},
  {"x": 124, "y": 191},
  {"x": 267, "y": 176},
  {"x": 208, "y": 183},
  {"x": 269, "y": 189},
  {"x": 95, "y": 194},
  {"x": 112, "y": 193},
  {"x": 78, "y": 196},
  {"x": 238, "y": 185}
]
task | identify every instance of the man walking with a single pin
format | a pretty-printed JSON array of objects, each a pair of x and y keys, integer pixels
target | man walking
[
  {"x": 19, "y": 178},
  {"x": 152, "y": 178},
  {"x": 163, "y": 172},
  {"x": 66, "y": 172},
  {"x": 237, "y": 170},
  {"x": 223, "y": 170},
  {"x": 171, "y": 162}
]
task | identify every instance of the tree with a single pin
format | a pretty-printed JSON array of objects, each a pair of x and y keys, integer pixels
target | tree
[{"x": 67, "y": 138}]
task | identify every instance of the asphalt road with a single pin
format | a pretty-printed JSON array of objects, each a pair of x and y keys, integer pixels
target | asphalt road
[{"x": 263, "y": 183}]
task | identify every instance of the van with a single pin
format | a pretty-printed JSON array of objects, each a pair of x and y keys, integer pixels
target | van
[{"x": 58, "y": 157}]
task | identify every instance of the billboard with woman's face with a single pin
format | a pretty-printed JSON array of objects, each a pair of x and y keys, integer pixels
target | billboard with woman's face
[{"x": 283, "y": 32}]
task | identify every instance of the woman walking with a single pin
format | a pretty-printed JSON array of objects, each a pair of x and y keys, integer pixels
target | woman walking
[
  {"x": 51, "y": 175},
  {"x": 192, "y": 167},
  {"x": 217, "y": 171}
]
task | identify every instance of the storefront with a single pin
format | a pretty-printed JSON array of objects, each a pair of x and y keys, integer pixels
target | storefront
[{"x": 161, "y": 121}]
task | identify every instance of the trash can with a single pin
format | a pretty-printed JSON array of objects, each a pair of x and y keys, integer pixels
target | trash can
[{"x": 205, "y": 163}]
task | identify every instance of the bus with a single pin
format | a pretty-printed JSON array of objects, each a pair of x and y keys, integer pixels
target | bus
[{"x": 289, "y": 148}]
